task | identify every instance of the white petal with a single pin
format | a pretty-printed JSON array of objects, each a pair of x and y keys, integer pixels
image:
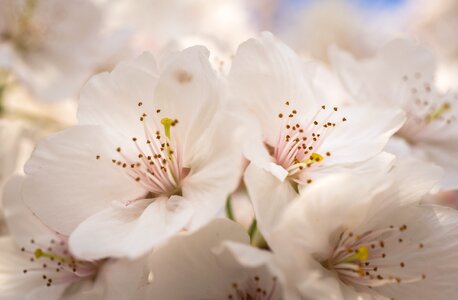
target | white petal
[
  {"x": 414, "y": 179},
  {"x": 120, "y": 279},
  {"x": 326, "y": 206},
  {"x": 367, "y": 80},
  {"x": 189, "y": 263},
  {"x": 23, "y": 225},
  {"x": 188, "y": 90},
  {"x": 130, "y": 231},
  {"x": 269, "y": 196},
  {"x": 215, "y": 170},
  {"x": 112, "y": 99},
  {"x": 437, "y": 229},
  {"x": 253, "y": 147},
  {"x": 364, "y": 134},
  {"x": 65, "y": 183},
  {"x": 381, "y": 163},
  {"x": 245, "y": 254},
  {"x": 265, "y": 74},
  {"x": 443, "y": 154}
]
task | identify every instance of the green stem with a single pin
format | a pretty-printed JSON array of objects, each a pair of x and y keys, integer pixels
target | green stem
[
  {"x": 229, "y": 210},
  {"x": 257, "y": 240}
]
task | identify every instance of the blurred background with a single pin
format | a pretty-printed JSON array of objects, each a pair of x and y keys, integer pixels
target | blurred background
[{"x": 50, "y": 48}]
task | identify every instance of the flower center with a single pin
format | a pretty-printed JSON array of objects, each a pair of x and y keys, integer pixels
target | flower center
[
  {"x": 425, "y": 107},
  {"x": 253, "y": 289},
  {"x": 156, "y": 161},
  {"x": 373, "y": 258},
  {"x": 55, "y": 264},
  {"x": 300, "y": 141}
]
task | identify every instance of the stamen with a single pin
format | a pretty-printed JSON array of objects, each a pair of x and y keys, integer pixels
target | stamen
[
  {"x": 436, "y": 114},
  {"x": 298, "y": 138},
  {"x": 367, "y": 259}
]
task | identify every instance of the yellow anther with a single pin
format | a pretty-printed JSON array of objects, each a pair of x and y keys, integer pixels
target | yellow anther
[
  {"x": 314, "y": 157},
  {"x": 362, "y": 254},
  {"x": 167, "y": 123},
  {"x": 438, "y": 112}
]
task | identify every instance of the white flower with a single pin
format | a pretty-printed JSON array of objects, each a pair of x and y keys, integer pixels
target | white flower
[
  {"x": 152, "y": 156},
  {"x": 369, "y": 238},
  {"x": 46, "y": 45},
  {"x": 402, "y": 75},
  {"x": 157, "y": 23},
  {"x": 199, "y": 266},
  {"x": 319, "y": 25},
  {"x": 294, "y": 136},
  {"x": 37, "y": 264}
]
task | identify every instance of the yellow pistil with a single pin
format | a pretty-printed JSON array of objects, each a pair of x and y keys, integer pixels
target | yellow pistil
[
  {"x": 167, "y": 123},
  {"x": 40, "y": 253},
  {"x": 438, "y": 112},
  {"x": 362, "y": 254}
]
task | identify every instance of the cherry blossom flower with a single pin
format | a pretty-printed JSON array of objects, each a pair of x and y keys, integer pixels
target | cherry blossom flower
[
  {"x": 402, "y": 75},
  {"x": 369, "y": 238},
  {"x": 152, "y": 156},
  {"x": 216, "y": 262},
  {"x": 293, "y": 137},
  {"x": 36, "y": 262},
  {"x": 47, "y": 47}
]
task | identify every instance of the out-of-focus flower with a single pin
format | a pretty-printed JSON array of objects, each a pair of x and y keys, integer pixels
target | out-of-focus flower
[
  {"x": 23, "y": 122},
  {"x": 402, "y": 75},
  {"x": 36, "y": 262},
  {"x": 204, "y": 268},
  {"x": 293, "y": 138},
  {"x": 152, "y": 155},
  {"x": 46, "y": 45},
  {"x": 435, "y": 22},
  {"x": 369, "y": 238},
  {"x": 155, "y": 23},
  {"x": 316, "y": 26}
]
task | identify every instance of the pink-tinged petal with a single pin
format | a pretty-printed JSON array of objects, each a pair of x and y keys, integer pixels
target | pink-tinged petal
[
  {"x": 71, "y": 176},
  {"x": 270, "y": 197},
  {"x": 130, "y": 231}
]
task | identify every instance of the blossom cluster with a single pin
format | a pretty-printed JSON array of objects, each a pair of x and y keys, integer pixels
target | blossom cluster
[{"x": 200, "y": 172}]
